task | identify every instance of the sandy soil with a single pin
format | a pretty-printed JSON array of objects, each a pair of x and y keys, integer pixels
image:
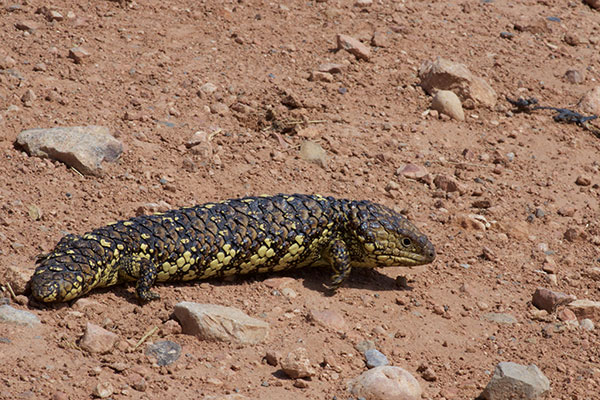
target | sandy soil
[{"x": 147, "y": 63}]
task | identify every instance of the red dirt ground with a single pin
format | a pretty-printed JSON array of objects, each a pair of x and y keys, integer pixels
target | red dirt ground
[{"x": 142, "y": 79}]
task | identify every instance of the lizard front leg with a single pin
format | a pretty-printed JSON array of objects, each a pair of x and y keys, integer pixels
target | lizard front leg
[
  {"x": 338, "y": 256},
  {"x": 143, "y": 272}
]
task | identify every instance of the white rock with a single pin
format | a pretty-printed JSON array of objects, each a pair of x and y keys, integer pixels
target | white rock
[
  {"x": 82, "y": 147},
  {"x": 103, "y": 390},
  {"x": 587, "y": 324},
  {"x": 446, "y": 102},
  {"x": 220, "y": 323},
  {"x": 386, "y": 383},
  {"x": 297, "y": 364}
]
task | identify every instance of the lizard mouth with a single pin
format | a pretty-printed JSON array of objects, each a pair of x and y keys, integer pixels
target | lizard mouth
[{"x": 49, "y": 288}]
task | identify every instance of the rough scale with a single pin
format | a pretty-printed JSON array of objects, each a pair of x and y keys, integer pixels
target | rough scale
[{"x": 239, "y": 236}]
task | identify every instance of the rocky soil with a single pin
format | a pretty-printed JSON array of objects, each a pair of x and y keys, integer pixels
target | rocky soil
[{"x": 220, "y": 99}]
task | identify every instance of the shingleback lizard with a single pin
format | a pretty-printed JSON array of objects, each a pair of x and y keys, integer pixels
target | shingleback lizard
[{"x": 240, "y": 236}]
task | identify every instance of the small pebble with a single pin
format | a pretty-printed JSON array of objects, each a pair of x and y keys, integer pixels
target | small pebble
[
  {"x": 427, "y": 373},
  {"x": 78, "y": 54},
  {"x": 313, "y": 152},
  {"x": 301, "y": 383},
  {"x": 573, "y": 76},
  {"x": 331, "y": 68},
  {"x": 297, "y": 364},
  {"x": 447, "y": 102},
  {"x": 272, "y": 357},
  {"x": 353, "y": 46},
  {"x": 500, "y": 318},
  {"x": 103, "y": 390},
  {"x": 27, "y": 25},
  {"x": 583, "y": 180},
  {"x": 587, "y": 324}
]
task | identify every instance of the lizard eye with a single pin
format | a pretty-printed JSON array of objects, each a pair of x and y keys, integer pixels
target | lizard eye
[{"x": 406, "y": 242}]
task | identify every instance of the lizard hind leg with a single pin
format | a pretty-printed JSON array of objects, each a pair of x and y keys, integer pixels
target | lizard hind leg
[{"x": 143, "y": 272}]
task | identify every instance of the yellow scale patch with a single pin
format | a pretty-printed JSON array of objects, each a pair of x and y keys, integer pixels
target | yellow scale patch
[
  {"x": 162, "y": 276},
  {"x": 105, "y": 243},
  {"x": 189, "y": 276}
]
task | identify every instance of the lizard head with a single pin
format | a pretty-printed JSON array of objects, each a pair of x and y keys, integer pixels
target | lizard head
[{"x": 386, "y": 238}]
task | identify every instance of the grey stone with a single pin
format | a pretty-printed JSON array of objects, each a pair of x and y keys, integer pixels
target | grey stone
[
  {"x": 166, "y": 352},
  {"x": 375, "y": 358},
  {"x": 515, "y": 381},
  {"x": 220, "y": 323},
  {"x": 386, "y": 383},
  {"x": 500, "y": 318},
  {"x": 19, "y": 317},
  {"x": 81, "y": 147}
]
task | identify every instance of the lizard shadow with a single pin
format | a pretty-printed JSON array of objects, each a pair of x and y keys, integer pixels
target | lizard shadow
[
  {"x": 317, "y": 279},
  {"x": 313, "y": 278}
]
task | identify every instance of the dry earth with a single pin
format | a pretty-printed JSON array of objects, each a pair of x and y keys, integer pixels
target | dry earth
[{"x": 145, "y": 77}]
